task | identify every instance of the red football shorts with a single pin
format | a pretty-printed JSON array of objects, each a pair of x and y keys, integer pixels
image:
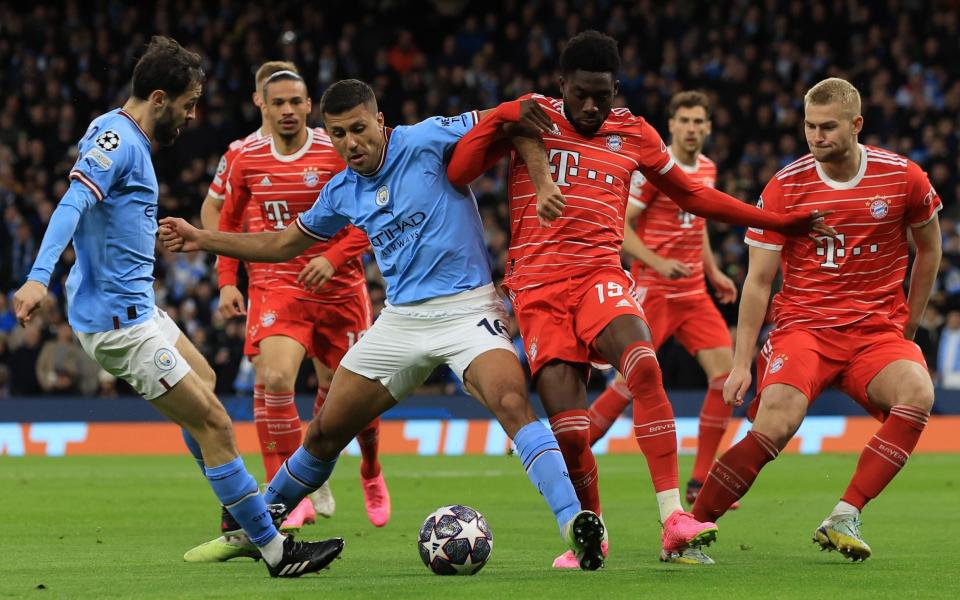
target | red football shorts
[
  {"x": 560, "y": 320},
  {"x": 325, "y": 330},
  {"x": 694, "y": 320},
  {"x": 254, "y": 301},
  {"x": 848, "y": 358}
]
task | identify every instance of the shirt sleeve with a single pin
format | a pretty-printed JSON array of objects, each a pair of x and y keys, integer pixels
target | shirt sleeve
[
  {"x": 321, "y": 221},
  {"x": 352, "y": 243},
  {"x": 642, "y": 191},
  {"x": 60, "y": 230},
  {"x": 770, "y": 200},
  {"x": 235, "y": 199},
  {"x": 923, "y": 202},
  {"x": 440, "y": 134},
  {"x": 104, "y": 159},
  {"x": 652, "y": 153},
  {"x": 218, "y": 186}
]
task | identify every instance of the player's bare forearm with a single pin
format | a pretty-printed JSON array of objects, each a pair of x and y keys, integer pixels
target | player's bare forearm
[
  {"x": 926, "y": 265},
  {"x": 210, "y": 213},
  {"x": 634, "y": 246},
  {"x": 265, "y": 246},
  {"x": 534, "y": 155},
  {"x": 753, "y": 303}
]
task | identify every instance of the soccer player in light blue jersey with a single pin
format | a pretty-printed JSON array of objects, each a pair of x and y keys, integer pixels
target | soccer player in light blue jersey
[
  {"x": 110, "y": 213},
  {"x": 442, "y": 306}
]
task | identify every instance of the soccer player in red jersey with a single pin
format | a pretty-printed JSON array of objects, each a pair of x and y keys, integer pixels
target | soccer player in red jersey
[
  {"x": 673, "y": 255},
  {"x": 571, "y": 296},
  {"x": 841, "y": 317}
]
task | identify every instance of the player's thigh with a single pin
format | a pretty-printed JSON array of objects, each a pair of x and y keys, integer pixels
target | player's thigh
[
  {"x": 885, "y": 370},
  {"x": 142, "y": 355},
  {"x": 197, "y": 362},
  {"x": 279, "y": 361},
  {"x": 323, "y": 372},
  {"x": 608, "y": 318},
  {"x": 545, "y": 319},
  {"x": 337, "y": 328},
  {"x": 352, "y": 402},
  {"x": 394, "y": 353},
  {"x": 496, "y": 379},
  {"x": 716, "y": 362},
  {"x": 562, "y": 386}
]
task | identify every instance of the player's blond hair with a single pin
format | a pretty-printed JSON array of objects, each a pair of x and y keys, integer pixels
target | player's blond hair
[
  {"x": 835, "y": 90},
  {"x": 271, "y": 67}
]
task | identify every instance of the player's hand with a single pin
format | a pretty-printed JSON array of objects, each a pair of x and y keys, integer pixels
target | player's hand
[
  {"x": 27, "y": 300},
  {"x": 736, "y": 386},
  {"x": 672, "y": 268},
  {"x": 811, "y": 224},
  {"x": 534, "y": 115},
  {"x": 231, "y": 302},
  {"x": 725, "y": 288},
  {"x": 179, "y": 236},
  {"x": 317, "y": 272},
  {"x": 550, "y": 203}
]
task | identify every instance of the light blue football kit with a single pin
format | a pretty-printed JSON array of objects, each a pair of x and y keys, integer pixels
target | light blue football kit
[
  {"x": 110, "y": 213},
  {"x": 442, "y": 307}
]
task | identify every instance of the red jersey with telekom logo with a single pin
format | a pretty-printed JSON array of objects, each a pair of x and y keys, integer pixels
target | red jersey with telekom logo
[
  {"x": 280, "y": 187},
  {"x": 671, "y": 232},
  {"x": 594, "y": 176},
  {"x": 831, "y": 282},
  {"x": 218, "y": 190}
]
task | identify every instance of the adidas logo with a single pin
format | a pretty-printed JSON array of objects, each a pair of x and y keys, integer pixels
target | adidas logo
[
  {"x": 265, "y": 181},
  {"x": 294, "y": 568},
  {"x": 624, "y": 304}
]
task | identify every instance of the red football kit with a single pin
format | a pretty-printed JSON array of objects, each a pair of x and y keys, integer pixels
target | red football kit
[
  {"x": 278, "y": 188},
  {"x": 680, "y": 308},
  {"x": 841, "y": 311},
  {"x": 227, "y": 266}
]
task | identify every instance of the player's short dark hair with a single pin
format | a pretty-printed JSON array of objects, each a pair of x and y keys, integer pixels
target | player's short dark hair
[
  {"x": 689, "y": 99},
  {"x": 590, "y": 51},
  {"x": 282, "y": 75},
  {"x": 345, "y": 95},
  {"x": 167, "y": 66}
]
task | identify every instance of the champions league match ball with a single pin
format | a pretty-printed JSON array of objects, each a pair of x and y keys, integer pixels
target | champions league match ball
[{"x": 455, "y": 540}]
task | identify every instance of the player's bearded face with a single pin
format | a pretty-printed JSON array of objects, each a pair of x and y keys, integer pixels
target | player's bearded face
[
  {"x": 689, "y": 127},
  {"x": 174, "y": 114},
  {"x": 830, "y": 131},
  {"x": 358, "y": 137},
  {"x": 588, "y": 99}
]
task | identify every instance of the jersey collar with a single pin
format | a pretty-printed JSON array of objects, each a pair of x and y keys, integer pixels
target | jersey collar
[
  {"x": 296, "y": 155},
  {"x": 845, "y": 185},
  {"x": 134, "y": 121}
]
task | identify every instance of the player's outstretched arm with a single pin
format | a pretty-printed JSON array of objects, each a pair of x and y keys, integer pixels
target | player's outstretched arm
[
  {"x": 753, "y": 307},
  {"x": 210, "y": 212},
  {"x": 923, "y": 274},
  {"x": 179, "y": 236},
  {"x": 709, "y": 203},
  {"x": 485, "y": 144}
]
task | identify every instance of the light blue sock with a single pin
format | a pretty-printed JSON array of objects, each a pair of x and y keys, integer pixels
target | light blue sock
[
  {"x": 194, "y": 448},
  {"x": 298, "y": 476},
  {"x": 544, "y": 464},
  {"x": 238, "y": 491}
]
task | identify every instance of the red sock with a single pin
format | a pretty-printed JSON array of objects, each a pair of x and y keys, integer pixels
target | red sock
[
  {"x": 606, "y": 408},
  {"x": 572, "y": 430},
  {"x": 732, "y": 475},
  {"x": 714, "y": 418},
  {"x": 369, "y": 440},
  {"x": 653, "y": 424},
  {"x": 283, "y": 425},
  {"x": 885, "y": 454},
  {"x": 320, "y": 398},
  {"x": 271, "y": 461}
]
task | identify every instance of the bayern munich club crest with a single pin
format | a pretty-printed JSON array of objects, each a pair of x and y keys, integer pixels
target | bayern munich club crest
[
  {"x": 383, "y": 196},
  {"x": 268, "y": 318},
  {"x": 614, "y": 142},
  {"x": 777, "y": 363},
  {"x": 879, "y": 207},
  {"x": 310, "y": 177}
]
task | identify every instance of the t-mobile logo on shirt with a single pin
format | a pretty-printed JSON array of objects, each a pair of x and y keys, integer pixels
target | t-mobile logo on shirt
[
  {"x": 277, "y": 213},
  {"x": 566, "y": 163}
]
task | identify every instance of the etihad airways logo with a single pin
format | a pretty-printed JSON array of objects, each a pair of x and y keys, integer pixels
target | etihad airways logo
[{"x": 398, "y": 233}]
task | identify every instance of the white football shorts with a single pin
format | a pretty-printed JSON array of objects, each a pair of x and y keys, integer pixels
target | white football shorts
[
  {"x": 407, "y": 342},
  {"x": 144, "y": 355}
]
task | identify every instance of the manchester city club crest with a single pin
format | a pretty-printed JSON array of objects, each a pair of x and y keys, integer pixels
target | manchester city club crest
[
  {"x": 879, "y": 207},
  {"x": 165, "y": 359},
  {"x": 383, "y": 196},
  {"x": 614, "y": 142},
  {"x": 310, "y": 177}
]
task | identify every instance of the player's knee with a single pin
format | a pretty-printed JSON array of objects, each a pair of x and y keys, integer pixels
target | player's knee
[
  {"x": 208, "y": 376},
  {"x": 918, "y": 394},
  {"x": 780, "y": 415},
  {"x": 323, "y": 443},
  {"x": 513, "y": 410},
  {"x": 277, "y": 380}
]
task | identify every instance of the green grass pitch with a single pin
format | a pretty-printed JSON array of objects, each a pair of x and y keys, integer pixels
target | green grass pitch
[{"x": 98, "y": 527}]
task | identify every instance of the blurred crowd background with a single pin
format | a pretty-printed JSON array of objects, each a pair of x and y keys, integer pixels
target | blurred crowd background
[{"x": 64, "y": 63}]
